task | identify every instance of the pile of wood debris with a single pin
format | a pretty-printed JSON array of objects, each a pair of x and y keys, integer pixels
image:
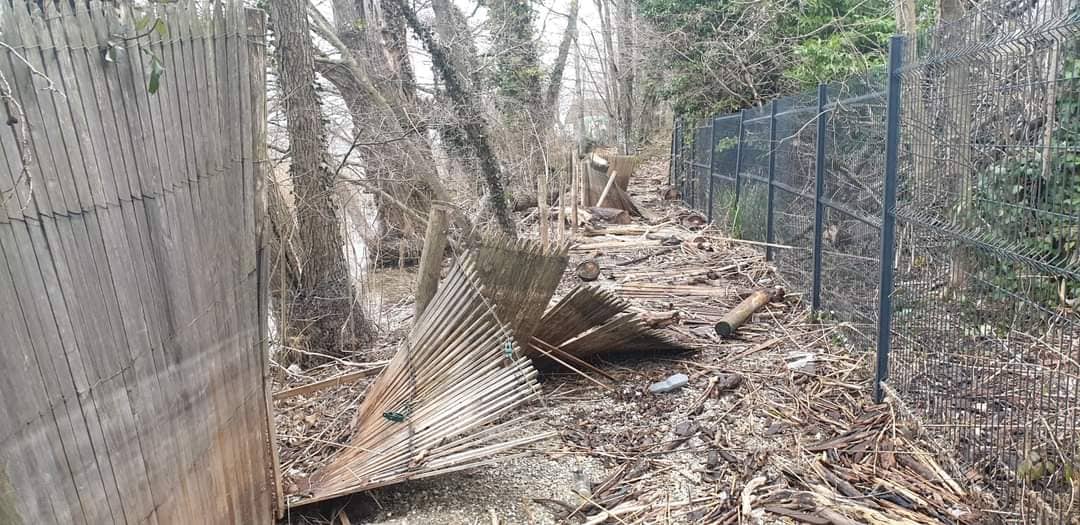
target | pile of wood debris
[{"x": 775, "y": 424}]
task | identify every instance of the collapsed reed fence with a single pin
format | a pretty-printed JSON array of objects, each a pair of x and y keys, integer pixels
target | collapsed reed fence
[{"x": 959, "y": 167}]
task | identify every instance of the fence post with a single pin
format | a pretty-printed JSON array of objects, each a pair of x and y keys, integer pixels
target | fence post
[
  {"x": 738, "y": 160},
  {"x": 693, "y": 167},
  {"x": 769, "y": 233},
  {"x": 712, "y": 163},
  {"x": 819, "y": 193},
  {"x": 679, "y": 168},
  {"x": 888, "y": 216},
  {"x": 671, "y": 160}
]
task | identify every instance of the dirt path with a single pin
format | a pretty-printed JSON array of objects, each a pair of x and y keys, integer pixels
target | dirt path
[{"x": 775, "y": 423}]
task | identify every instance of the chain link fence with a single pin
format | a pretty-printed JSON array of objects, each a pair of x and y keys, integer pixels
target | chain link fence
[{"x": 959, "y": 166}]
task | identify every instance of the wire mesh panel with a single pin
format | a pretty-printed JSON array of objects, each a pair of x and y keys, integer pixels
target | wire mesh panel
[
  {"x": 793, "y": 191},
  {"x": 851, "y": 226},
  {"x": 752, "y": 211},
  {"x": 985, "y": 332},
  {"x": 725, "y": 156},
  {"x": 702, "y": 150}
]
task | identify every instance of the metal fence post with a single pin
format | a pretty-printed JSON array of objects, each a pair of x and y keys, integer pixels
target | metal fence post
[
  {"x": 819, "y": 193},
  {"x": 671, "y": 160},
  {"x": 769, "y": 233},
  {"x": 712, "y": 162},
  {"x": 678, "y": 157},
  {"x": 693, "y": 167},
  {"x": 888, "y": 216},
  {"x": 738, "y": 160}
]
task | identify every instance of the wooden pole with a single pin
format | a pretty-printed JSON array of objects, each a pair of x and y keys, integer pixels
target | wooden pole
[
  {"x": 574, "y": 180},
  {"x": 561, "y": 229},
  {"x": 607, "y": 188},
  {"x": 431, "y": 258},
  {"x": 542, "y": 206},
  {"x": 738, "y": 315}
]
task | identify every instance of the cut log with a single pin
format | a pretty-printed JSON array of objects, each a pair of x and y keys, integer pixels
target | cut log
[
  {"x": 588, "y": 270},
  {"x": 660, "y": 319},
  {"x": 529, "y": 201},
  {"x": 670, "y": 194},
  {"x": 610, "y": 215},
  {"x": 738, "y": 315},
  {"x": 598, "y": 162}
]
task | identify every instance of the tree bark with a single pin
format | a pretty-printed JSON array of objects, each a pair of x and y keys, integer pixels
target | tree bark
[
  {"x": 612, "y": 69},
  {"x": 580, "y": 97},
  {"x": 325, "y": 298},
  {"x": 470, "y": 119},
  {"x": 958, "y": 128},
  {"x": 517, "y": 62},
  {"x": 396, "y": 154},
  {"x": 624, "y": 27},
  {"x": 551, "y": 101}
]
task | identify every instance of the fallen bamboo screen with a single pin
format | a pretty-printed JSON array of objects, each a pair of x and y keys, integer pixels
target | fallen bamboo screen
[
  {"x": 132, "y": 386},
  {"x": 447, "y": 400}
]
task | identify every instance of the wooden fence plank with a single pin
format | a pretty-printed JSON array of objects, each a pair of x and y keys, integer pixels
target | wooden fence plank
[
  {"x": 112, "y": 390},
  {"x": 47, "y": 184}
]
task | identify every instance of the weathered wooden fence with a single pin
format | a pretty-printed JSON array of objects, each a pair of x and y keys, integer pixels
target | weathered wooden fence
[{"x": 132, "y": 381}]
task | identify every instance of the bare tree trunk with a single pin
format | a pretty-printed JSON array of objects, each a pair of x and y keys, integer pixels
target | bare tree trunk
[
  {"x": 397, "y": 49},
  {"x": 377, "y": 85},
  {"x": 325, "y": 298},
  {"x": 470, "y": 118},
  {"x": 958, "y": 156},
  {"x": 612, "y": 70},
  {"x": 454, "y": 34},
  {"x": 906, "y": 17},
  {"x": 624, "y": 27},
  {"x": 580, "y": 117},
  {"x": 551, "y": 101}
]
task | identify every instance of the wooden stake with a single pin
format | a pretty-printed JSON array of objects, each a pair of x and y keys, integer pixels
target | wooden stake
[
  {"x": 738, "y": 315},
  {"x": 574, "y": 181},
  {"x": 607, "y": 188},
  {"x": 562, "y": 209},
  {"x": 542, "y": 206},
  {"x": 431, "y": 258}
]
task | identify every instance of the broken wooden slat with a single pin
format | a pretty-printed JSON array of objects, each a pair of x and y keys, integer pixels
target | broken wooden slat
[{"x": 340, "y": 379}]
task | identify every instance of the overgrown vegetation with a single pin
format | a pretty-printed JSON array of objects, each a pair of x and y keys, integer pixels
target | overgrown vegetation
[
  {"x": 722, "y": 56},
  {"x": 1028, "y": 201}
]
